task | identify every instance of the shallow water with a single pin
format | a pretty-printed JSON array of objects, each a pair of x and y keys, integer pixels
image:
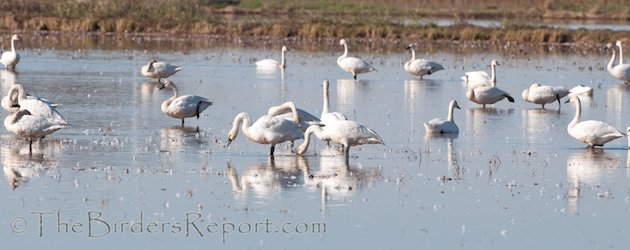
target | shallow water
[{"x": 126, "y": 174}]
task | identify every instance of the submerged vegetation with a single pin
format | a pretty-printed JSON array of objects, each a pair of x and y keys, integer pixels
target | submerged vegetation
[{"x": 300, "y": 19}]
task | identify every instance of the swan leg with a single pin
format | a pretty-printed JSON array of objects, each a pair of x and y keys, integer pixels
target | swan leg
[
  {"x": 559, "y": 105},
  {"x": 273, "y": 148},
  {"x": 198, "y": 106},
  {"x": 182, "y": 122},
  {"x": 354, "y": 75},
  {"x": 346, "y": 151},
  {"x": 30, "y": 147}
]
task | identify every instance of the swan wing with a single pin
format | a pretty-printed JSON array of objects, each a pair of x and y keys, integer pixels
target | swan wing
[
  {"x": 356, "y": 65},
  {"x": 594, "y": 132},
  {"x": 476, "y": 77},
  {"x": 267, "y": 63},
  {"x": 440, "y": 125},
  {"x": 188, "y": 106}
]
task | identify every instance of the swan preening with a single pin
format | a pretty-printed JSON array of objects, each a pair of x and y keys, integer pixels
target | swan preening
[
  {"x": 11, "y": 58},
  {"x": 31, "y": 127},
  {"x": 580, "y": 89},
  {"x": 185, "y": 106},
  {"x": 543, "y": 94},
  {"x": 479, "y": 78},
  {"x": 420, "y": 67},
  {"x": 441, "y": 126},
  {"x": 594, "y": 133},
  {"x": 271, "y": 63},
  {"x": 620, "y": 71},
  {"x": 352, "y": 64},
  {"x": 345, "y": 132},
  {"x": 16, "y": 99},
  {"x": 159, "y": 70},
  {"x": 270, "y": 129}
]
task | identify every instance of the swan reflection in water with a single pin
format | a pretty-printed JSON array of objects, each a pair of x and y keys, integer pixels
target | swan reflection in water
[
  {"x": 20, "y": 166},
  {"x": 587, "y": 167},
  {"x": 267, "y": 178},
  {"x": 347, "y": 92},
  {"x": 147, "y": 93},
  {"x": 538, "y": 123},
  {"x": 176, "y": 138},
  {"x": 451, "y": 155},
  {"x": 336, "y": 179}
]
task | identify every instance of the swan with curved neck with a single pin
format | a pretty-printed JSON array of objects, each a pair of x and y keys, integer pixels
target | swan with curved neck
[
  {"x": 271, "y": 63},
  {"x": 592, "y": 132},
  {"x": 11, "y": 58},
  {"x": 26, "y": 125},
  {"x": 441, "y": 126},
  {"x": 268, "y": 129},
  {"x": 620, "y": 71},
  {"x": 185, "y": 106},
  {"x": 345, "y": 132},
  {"x": 158, "y": 70},
  {"x": 478, "y": 78},
  {"x": 619, "y": 45},
  {"x": 17, "y": 99},
  {"x": 352, "y": 64},
  {"x": 420, "y": 67},
  {"x": 543, "y": 94}
]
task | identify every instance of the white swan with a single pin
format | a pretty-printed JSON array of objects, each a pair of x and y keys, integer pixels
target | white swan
[
  {"x": 580, "y": 89},
  {"x": 183, "y": 106},
  {"x": 271, "y": 63},
  {"x": 345, "y": 132},
  {"x": 618, "y": 43},
  {"x": 17, "y": 99},
  {"x": 268, "y": 129},
  {"x": 487, "y": 95},
  {"x": 441, "y": 126},
  {"x": 31, "y": 127},
  {"x": 543, "y": 94},
  {"x": 327, "y": 116},
  {"x": 11, "y": 58},
  {"x": 352, "y": 64},
  {"x": 619, "y": 71},
  {"x": 420, "y": 67},
  {"x": 594, "y": 133},
  {"x": 477, "y": 78},
  {"x": 159, "y": 70}
]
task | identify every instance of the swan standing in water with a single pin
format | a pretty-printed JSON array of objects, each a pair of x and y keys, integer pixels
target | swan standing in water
[
  {"x": 345, "y": 132},
  {"x": 352, "y": 64},
  {"x": 420, "y": 67},
  {"x": 594, "y": 133},
  {"x": 17, "y": 99},
  {"x": 11, "y": 58},
  {"x": 543, "y": 94},
  {"x": 183, "y": 106},
  {"x": 271, "y": 63},
  {"x": 479, "y": 78},
  {"x": 159, "y": 70},
  {"x": 31, "y": 127},
  {"x": 441, "y": 126},
  {"x": 620, "y": 71},
  {"x": 269, "y": 129}
]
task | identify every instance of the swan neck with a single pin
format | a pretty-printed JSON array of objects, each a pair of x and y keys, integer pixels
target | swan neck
[
  {"x": 620, "y": 54},
  {"x": 282, "y": 60},
  {"x": 307, "y": 137},
  {"x": 326, "y": 107},
  {"x": 345, "y": 50},
  {"x": 21, "y": 94},
  {"x": 578, "y": 113},
  {"x": 12, "y": 45},
  {"x": 451, "y": 107},
  {"x": 493, "y": 77},
  {"x": 413, "y": 54},
  {"x": 612, "y": 60}
]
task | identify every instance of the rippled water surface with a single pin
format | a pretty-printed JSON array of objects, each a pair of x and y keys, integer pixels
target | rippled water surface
[{"x": 127, "y": 175}]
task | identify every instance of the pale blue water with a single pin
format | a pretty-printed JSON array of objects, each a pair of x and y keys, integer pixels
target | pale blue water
[{"x": 513, "y": 177}]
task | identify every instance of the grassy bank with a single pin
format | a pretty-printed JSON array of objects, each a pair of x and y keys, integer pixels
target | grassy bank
[{"x": 304, "y": 19}]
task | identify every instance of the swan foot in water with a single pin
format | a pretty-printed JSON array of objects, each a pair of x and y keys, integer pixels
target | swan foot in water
[{"x": 273, "y": 148}]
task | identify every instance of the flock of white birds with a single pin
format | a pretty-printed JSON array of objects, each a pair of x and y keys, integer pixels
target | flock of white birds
[{"x": 34, "y": 117}]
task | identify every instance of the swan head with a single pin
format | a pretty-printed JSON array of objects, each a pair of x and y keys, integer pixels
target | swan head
[
  {"x": 573, "y": 99},
  {"x": 618, "y": 43},
  {"x": 343, "y": 42},
  {"x": 454, "y": 104},
  {"x": 608, "y": 46},
  {"x": 284, "y": 48},
  {"x": 411, "y": 46},
  {"x": 167, "y": 84},
  {"x": 495, "y": 63},
  {"x": 15, "y": 38},
  {"x": 535, "y": 85},
  {"x": 325, "y": 83}
]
